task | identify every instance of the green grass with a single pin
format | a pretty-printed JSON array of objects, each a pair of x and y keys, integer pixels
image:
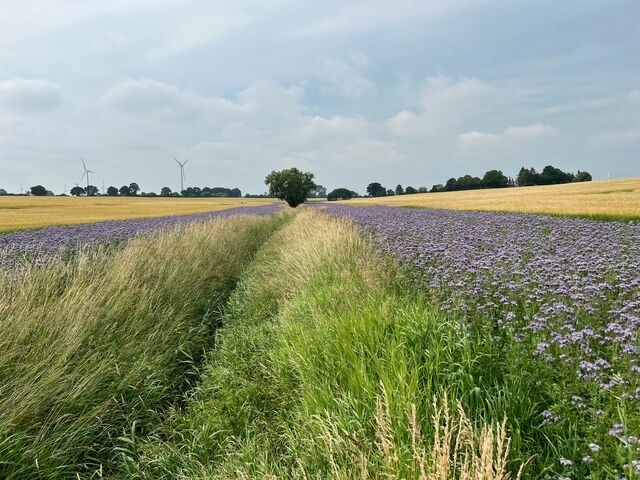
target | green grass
[
  {"x": 281, "y": 347},
  {"x": 327, "y": 366},
  {"x": 95, "y": 348}
]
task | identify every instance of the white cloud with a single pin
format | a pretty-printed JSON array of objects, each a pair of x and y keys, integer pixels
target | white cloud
[
  {"x": 25, "y": 95},
  {"x": 476, "y": 139},
  {"x": 530, "y": 131},
  {"x": 445, "y": 103},
  {"x": 443, "y": 94},
  {"x": 346, "y": 75},
  {"x": 360, "y": 15}
]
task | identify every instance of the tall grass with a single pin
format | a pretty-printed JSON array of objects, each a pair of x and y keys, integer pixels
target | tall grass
[
  {"x": 95, "y": 348},
  {"x": 330, "y": 367}
]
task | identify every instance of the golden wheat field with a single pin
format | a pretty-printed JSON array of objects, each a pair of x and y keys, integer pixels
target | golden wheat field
[
  {"x": 17, "y": 213},
  {"x": 599, "y": 199}
]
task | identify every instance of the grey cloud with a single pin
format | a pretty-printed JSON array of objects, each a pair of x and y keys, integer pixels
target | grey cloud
[
  {"x": 347, "y": 75},
  {"x": 26, "y": 95}
]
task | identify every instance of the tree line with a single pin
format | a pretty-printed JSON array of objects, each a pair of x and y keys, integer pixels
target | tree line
[
  {"x": 550, "y": 175},
  {"x": 303, "y": 185},
  {"x": 133, "y": 190}
]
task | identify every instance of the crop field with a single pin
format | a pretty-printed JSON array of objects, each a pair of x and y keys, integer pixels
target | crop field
[
  {"x": 19, "y": 213},
  {"x": 609, "y": 199},
  {"x": 326, "y": 341}
]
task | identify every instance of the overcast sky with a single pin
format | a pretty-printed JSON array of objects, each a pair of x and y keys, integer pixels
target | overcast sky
[{"x": 409, "y": 92}]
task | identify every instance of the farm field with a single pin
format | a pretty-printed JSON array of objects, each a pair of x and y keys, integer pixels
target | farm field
[
  {"x": 327, "y": 341},
  {"x": 19, "y": 213},
  {"x": 605, "y": 199}
]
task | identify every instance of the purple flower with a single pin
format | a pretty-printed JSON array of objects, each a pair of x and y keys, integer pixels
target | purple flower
[
  {"x": 616, "y": 430},
  {"x": 565, "y": 462},
  {"x": 594, "y": 447}
]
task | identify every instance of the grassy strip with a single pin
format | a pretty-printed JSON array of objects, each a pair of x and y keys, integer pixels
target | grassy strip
[
  {"x": 96, "y": 347},
  {"x": 330, "y": 367}
]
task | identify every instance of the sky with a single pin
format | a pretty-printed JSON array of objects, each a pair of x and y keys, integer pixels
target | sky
[{"x": 399, "y": 92}]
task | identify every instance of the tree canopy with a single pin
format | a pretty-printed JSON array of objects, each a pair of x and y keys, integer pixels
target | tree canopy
[
  {"x": 341, "y": 194},
  {"x": 77, "y": 191},
  {"x": 375, "y": 189},
  {"x": 38, "y": 191},
  {"x": 290, "y": 185}
]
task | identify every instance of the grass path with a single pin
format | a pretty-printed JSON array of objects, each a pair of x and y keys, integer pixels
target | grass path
[{"x": 95, "y": 348}]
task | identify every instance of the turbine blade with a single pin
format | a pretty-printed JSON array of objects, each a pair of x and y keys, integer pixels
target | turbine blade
[
  {"x": 82, "y": 177},
  {"x": 185, "y": 162},
  {"x": 83, "y": 164}
]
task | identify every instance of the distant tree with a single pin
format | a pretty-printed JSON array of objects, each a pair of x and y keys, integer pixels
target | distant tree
[
  {"x": 236, "y": 193},
  {"x": 390, "y": 193},
  {"x": 318, "y": 192},
  {"x": 495, "y": 179},
  {"x": 437, "y": 188},
  {"x": 50, "y": 193},
  {"x": 376, "y": 190},
  {"x": 583, "y": 177},
  {"x": 192, "y": 192},
  {"x": 38, "y": 191},
  {"x": 451, "y": 185},
  {"x": 91, "y": 190},
  {"x": 399, "y": 190},
  {"x": 3, "y": 192},
  {"x": 77, "y": 191},
  {"x": 340, "y": 194},
  {"x": 125, "y": 190},
  {"x": 526, "y": 177},
  {"x": 468, "y": 183},
  {"x": 410, "y": 190},
  {"x": 133, "y": 188},
  {"x": 112, "y": 191},
  {"x": 148, "y": 194},
  {"x": 290, "y": 185},
  {"x": 422, "y": 189},
  {"x": 551, "y": 175},
  {"x": 165, "y": 192}
]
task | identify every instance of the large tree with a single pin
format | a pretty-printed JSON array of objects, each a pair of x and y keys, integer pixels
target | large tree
[
  {"x": 134, "y": 188},
  {"x": 112, "y": 191},
  {"x": 290, "y": 185},
  {"x": 91, "y": 190},
  {"x": 77, "y": 191},
  {"x": 375, "y": 189},
  {"x": 341, "y": 194},
  {"x": 495, "y": 179},
  {"x": 38, "y": 191}
]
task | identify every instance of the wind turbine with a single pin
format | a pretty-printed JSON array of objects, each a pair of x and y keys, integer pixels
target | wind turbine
[
  {"x": 86, "y": 172},
  {"x": 181, "y": 172}
]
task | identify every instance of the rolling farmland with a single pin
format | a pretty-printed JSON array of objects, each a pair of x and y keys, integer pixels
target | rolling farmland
[
  {"x": 24, "y": 212},
  {"x": 606, "y": 199},
  {"x": 200, "y": 345}
]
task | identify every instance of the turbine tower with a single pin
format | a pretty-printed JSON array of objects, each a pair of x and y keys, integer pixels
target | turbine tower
[
  {"x": 86, "y": 172},
  {"x": 181, "y": 172}
]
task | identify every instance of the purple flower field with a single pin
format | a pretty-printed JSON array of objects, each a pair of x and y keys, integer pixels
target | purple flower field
[
  {"x": 565, "y": 291},
  {"x": 39, "y": 244}
]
